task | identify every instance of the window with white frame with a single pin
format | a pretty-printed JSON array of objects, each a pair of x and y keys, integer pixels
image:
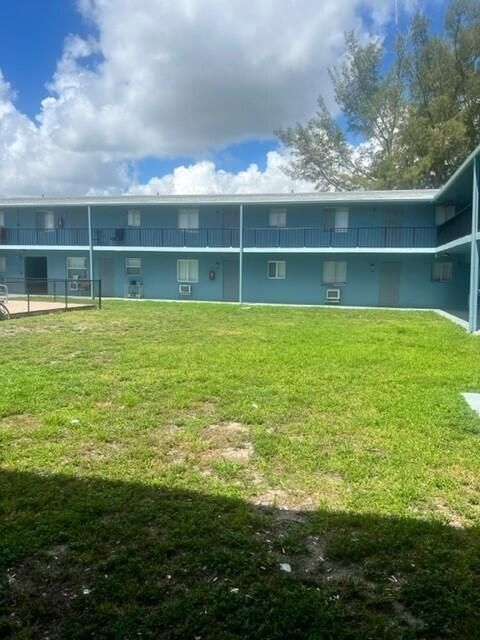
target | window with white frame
[
  {"x": 134, "y": 218},
  {"x": 277, "y": 218},
  {"x": 188, "y": 219},
  {"x": 442, "y": 271},
  {"x": 2, "y": 218},
  {"x": 3, "y": 264},
  {"x": 277, "y": 270},
  {"x": 334, "y": 272},
  {"x": 46, "y": 220},
  {"x": 444, "y": 213},
  {"x": 187, "y": 271},
  {"x": 133, "y": 266},
  {"x": 77, "y": 268}
]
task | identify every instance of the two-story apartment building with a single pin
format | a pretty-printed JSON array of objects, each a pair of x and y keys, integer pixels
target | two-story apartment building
[{"x": 372, "y": 248}]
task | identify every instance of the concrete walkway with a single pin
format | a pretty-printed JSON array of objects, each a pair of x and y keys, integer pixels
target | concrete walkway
[{"x": 19, "y": 308}]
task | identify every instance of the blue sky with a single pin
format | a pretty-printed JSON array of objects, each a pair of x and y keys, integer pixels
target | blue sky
[
  {"x": 32, "y": 33},
  {"x": 32, "y": 41}
]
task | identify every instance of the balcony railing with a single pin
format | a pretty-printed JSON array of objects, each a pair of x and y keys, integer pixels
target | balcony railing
[
  {"x": 54, "y": 237},
  {"x": 286, "y": 237},
  {"x": 457, "y": 227},
  {"x": 166, "y": 237},
  {"x": 367, "y": 237}
]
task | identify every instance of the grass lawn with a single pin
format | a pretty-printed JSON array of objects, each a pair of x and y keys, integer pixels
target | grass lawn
[{"x": 215, "y": 472}]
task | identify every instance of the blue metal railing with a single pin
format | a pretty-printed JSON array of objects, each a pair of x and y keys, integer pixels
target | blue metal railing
[
  {"x": 368, "y": 237},
  {"x": 457, "y": 227},
  {"x": 166, "y": 237},
  {"x": 287, "y": 237},
  {"x": 54, "y": 237}
]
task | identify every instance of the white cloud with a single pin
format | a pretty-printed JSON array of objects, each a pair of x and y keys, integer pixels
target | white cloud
[
  {"x": 191, "y": 75},
  {"x": 32, "y": 163},
  {"x": 175, "y": 78},
  {"x": 203, "y": 177}
]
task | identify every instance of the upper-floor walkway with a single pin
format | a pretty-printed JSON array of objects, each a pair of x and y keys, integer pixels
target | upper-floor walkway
[
  {"x": 253, "y": 237},
  {"x": 348, "y": 221}
]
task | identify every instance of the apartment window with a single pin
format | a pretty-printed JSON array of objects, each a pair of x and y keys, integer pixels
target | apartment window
[
  {"x": 3, "y": 264},
  {"x": 444, "y": 213},
  {"x": 277, "y": 270},
  {"x": 2, "y": 218},
  {"x": 134, "y": 218},
  {"x": 337, "y": 219},
  {"x": 45, "y": 220},
  {"x": 442, "y": 271},
  {"x": 334, "y": 272},
  {"x": 133, "y": 266},
  {"x": 188, "y": 219},
  {"x": 77, "y": 268},
  {"x": 278, "y": 218},
  {"x": 187, "y": 271}
]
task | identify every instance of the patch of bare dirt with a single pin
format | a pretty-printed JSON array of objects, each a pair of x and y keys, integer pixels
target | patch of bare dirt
[
  {"x": 314, "y": 564},
  {"x": 101, "y": 452},
  {"x": 227, "y": 441},
  {"x": 223, "y": 429},
  {"x": 103, "y": 405},
  {"x": 238, "y": 454},
  {"x": 287, "y": 500},
  {"x": 450, "y": 517},
  {"x": 21, "y": 421},
  {"x": 54, "y": 578}
]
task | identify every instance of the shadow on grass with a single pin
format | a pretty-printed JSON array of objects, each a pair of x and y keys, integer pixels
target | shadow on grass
[{"x": 92, "y": 558}]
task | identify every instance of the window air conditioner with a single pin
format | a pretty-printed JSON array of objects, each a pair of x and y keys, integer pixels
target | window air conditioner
[
  {"x": 332, "y": 295},
  {"x": 134, "y": 289},
  {"x": 185, "y": 289}
]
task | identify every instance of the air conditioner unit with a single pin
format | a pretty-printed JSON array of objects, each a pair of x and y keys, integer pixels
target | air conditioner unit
[
  {"x": 185, "y": 289},
  {"x": 332, "y": 295},
  {"x": 134, "y": 289}
]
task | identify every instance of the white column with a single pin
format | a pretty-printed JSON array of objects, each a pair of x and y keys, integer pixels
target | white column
[
  {"x": 474, "y": 257},
  {"x": 90, "y": 250},
  {"x": 240, "y": 258}
]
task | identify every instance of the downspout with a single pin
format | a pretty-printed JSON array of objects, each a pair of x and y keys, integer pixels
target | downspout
[
  {"x": 474, "y": 257},
  {"x": 240, "y": 258},
  {"x": 90, "y": 251}
]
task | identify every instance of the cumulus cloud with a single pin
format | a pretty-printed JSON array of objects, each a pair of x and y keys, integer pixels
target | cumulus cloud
[
  {"x": 185, "y": 76},
  {"x": 163, "y": 78},
  {"x": 32, "y": 163},
  {"x": 203, "y": 177}
]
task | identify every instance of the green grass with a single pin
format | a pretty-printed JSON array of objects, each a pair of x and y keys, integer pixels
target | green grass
[{"x": 160, "y": 461}]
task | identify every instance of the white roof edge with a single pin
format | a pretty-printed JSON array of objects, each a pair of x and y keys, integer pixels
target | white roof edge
[{"x": 413, "y": 195}]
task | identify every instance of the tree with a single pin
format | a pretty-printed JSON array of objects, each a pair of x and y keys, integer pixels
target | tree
[{"x": 413, "y": 119}]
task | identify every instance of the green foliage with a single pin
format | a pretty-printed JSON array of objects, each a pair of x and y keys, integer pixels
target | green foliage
[{"x": 416, "y": 121}]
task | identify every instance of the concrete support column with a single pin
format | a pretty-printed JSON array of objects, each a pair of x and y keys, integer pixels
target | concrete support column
[
  {"x": 90, "y": 250},
  {"x": 474, "y": 253},
  {"x": 240, "y": 258}
]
